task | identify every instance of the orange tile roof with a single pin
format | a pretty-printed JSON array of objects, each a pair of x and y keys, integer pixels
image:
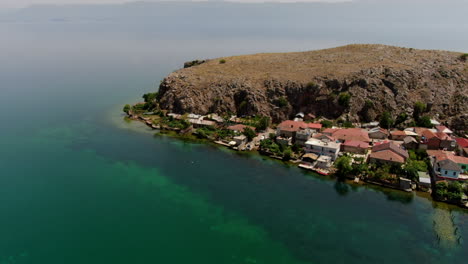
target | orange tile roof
[
  {"x": 290, "y": 125},
  {"x": 387, "y": 155},
  {"x": 357, "y": 144},
  {"x": 355, "y": 134}
]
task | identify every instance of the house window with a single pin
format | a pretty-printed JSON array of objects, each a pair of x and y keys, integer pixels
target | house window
[
  {"x": 464, "y": 167},
  {"x": 454, "y": 173},
  {"x": 438, "y": 169},
  {"x": 446, "y": 172}
]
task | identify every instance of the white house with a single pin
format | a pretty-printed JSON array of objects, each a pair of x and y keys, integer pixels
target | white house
[{"x": 323, "y": 147}]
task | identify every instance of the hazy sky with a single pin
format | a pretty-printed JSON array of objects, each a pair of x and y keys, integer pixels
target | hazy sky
[{"x": 25, "y": 3}]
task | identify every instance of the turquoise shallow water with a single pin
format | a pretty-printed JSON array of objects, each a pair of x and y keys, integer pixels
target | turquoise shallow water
[{"x": 78, "y": 184}]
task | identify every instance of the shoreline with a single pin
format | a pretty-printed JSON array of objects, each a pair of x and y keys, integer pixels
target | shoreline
[{"x": 193, "y": 139}]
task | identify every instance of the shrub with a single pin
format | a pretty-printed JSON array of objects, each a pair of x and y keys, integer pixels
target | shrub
[
  {"x": 281, "y": 102},
  {"x": 222, "y": 61},
  {"x": 424, "y": 121},
  {"x": 419, "y": 109},
  {"x": 287, "y": 153},
  {"x": 326, "y": 123},
  {"x": 263, "y": 123},
  {"x": 249, "y": 133},
  {"x": 311, "y": 86},
  {"x": 343, "y": 99},
  {"x": 348, "y": 124},
  {"x": 464, "y": 57},
  {"x": 343, "y": 166},
  {"x": 127, "y": 108},
  {"x": 386, "y": 120},
  {"x": 401, "y": 118}
]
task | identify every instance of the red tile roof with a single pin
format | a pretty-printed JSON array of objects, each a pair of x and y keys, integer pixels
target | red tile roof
[
  {"x": 387, "y": 155},
  {"x": 443, "y": 155},
  {"x": 239, "y": 127},
  {"x": 392, "y": 147},
  {"x": 398, "y": 133},
  {"x": 462, "y": 142},
  {"x": 293, "y": 126},
  {"x": 355, "y": 134},
  {"x": 428, "y": 134},
  {"x": 443, "y": 136},
  {"x": 357, "y": 144}
]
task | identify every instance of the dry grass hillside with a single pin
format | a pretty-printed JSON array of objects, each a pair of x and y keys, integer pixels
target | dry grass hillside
[{"x": 377, "y": 77}]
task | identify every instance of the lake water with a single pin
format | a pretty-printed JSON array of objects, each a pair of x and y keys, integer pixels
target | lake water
[{"x": 78, "y": 184}]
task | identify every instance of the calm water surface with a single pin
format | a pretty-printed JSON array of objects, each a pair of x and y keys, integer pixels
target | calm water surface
[{"x": 78, "y": 184}]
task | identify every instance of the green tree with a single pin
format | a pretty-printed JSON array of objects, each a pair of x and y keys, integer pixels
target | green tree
[
  {"x": 222, "y": 61},
  {"x": 326, "y": 123},
  {"x": 386, "y": 120},
  {"x": 281, "y": 102},
  {"x": 344, "y": 99},
  {"x": 418, "y": 110},
  {"x": 401, "y": 118},
  {"x": 150, "y": 97},
  {"x": 424, "y": 121},
  {"x": 127, "y": 108},
  {"x": 343, "y": 166},
  {"x": 263, "y": 123},
  {"x": 287, "y": 153},
  {"x": 249, "y": 133}
]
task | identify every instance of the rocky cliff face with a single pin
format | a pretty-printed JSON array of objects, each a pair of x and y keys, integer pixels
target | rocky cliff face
[{"x": 377, "y": 78}]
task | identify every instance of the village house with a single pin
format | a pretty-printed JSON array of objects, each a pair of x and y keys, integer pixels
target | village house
[
  {"x": 239, "y": 128},
  {"x": 289, "y": 128},
  {"x": 302, "y": 136},
  {"x": 447, "y": 169},
  {"x": 239, "y": 140},
  {"x": 410, "y": 143},
  {"x": 378, "y": 133},
  {"x": 398, "y": 135},
  {"x": 429, "y": 140},
  {"x": 446, "y": 141},
  {"x": 388, "y": 153},
  {"x": 441, "y": 155},
  {"x": 323, "y": 147},
  {"x": 355, "y": 134},
  {"x": 356, "y": 147}
]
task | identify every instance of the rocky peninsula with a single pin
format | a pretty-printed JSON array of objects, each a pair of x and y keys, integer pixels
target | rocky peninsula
[
  {"x": 384, "y": 115},
  {"x": 355, "y": 82}
]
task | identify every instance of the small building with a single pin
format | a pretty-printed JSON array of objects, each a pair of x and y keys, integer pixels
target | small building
[
  {"x": 239, "y": 140},
  {"x": 447, "y": 169},
  {"x": 430, "y": 140},
  {"x": 378, "y": 133},
  {"x": 410, "y": 143},
  {"x": 302, "y": 136},
  {"x": 323, "y": 162},
  {"x": 446, "y": 141},
  {"x": 388, "y": 153},
  {"x": 424, "y": 180},
  {"x": 356, "y": 147},
  {"x": 323, "y": 147},
  {"x": 398, "y": 135},
  {"x": 289, "y": 128}
]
